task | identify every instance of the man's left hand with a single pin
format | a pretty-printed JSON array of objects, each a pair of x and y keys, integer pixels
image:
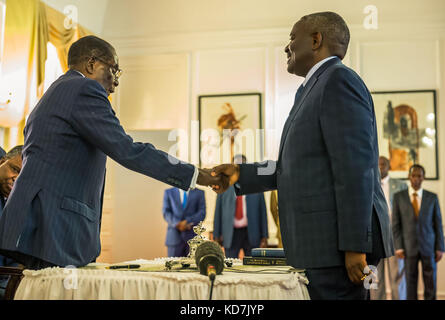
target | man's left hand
[
  {"x": 263, "y": 243},
  {"x": 355, "y": 263},
  {"x": 438, "y": 255}
]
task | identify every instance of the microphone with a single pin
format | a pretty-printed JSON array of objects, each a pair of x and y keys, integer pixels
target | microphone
[{"x": 209, "y": 259}]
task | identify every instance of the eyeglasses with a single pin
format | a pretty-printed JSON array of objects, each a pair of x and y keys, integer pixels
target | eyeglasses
[{"x": 117, "y": 73}]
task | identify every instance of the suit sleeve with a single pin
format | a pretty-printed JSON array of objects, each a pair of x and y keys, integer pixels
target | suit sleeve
[
  {"x": 263, "y": 217},
  {"x": 347, "y": 124},
  {"x": 94, "y": 120},
  {"x": 397, "y": 224},
  {"x": 438, "y": 230},
  {"x": 217, "y": 217},
  {"x": 167, "y": 211},
  {"x": 256, "y": 177},
  {"x": 201, "y": 213}
]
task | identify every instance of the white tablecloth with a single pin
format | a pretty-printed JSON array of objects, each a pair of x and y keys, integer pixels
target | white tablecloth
[{"x": 238, "y": 283}]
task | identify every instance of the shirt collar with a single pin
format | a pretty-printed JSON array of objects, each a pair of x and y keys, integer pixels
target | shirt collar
[
  {"x": 315, "y": 68},
  {"x": 385, "y": 180},
  {"x": 419, "y": 192},
  {"x": 79, "y": 73}
]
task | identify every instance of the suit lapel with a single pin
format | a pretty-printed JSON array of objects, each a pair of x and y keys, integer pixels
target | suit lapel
[
  {"x": 423, "y": 204},
  {"x": 177, "y": 197},
  {"x": 299, "y": 102}
]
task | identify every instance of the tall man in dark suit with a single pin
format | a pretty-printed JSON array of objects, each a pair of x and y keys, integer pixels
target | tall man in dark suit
[
  {"x": 182, "y": 210},
  {"x": 10, "y": 166},
  {"x": 333, "y": 214},
  {"x": 54, "y": 211},
  {"x": 418, "y": 233},
  {"x": 240, "y": 222}
]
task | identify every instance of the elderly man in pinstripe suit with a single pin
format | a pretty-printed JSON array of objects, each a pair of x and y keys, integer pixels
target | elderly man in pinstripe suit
[{"x": 53, "y": 214}]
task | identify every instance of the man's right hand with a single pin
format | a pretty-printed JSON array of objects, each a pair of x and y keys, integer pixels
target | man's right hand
[
  {"x": 219, "y": 240},
  {"x": 400, "y": 254},
  {"x": 231, "y": 171},
  {"x": 182, "y": 225}
]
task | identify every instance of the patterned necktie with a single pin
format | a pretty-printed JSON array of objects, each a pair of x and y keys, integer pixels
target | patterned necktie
[
  {"x": 239, "y": 208},
  {"x": 184, "y": 202},
  {"x": 415, "y": 205}
]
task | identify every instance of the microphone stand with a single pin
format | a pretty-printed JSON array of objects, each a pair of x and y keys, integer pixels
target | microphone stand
[{"x": 212, "y": 275}]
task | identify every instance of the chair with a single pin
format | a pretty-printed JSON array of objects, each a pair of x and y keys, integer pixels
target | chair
[{"x": 16, "y": 275}]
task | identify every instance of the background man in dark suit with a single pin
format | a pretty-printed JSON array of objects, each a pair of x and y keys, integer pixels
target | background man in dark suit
[
  {"x": 240, "y": 222},
  {"x": 182, "y": 210},
  {"x": 418, "y": 233},
  {"x": 10, "y": 166},
  {"x": 333, "y": 214},
  {"x": 391, "y": 271},
  {"x": 54, "y": 212}
]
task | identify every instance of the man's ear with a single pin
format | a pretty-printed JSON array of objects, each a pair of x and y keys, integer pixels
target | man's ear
[
  {"x": 317, "y": 40},
  {"x": 89, "y": 65}
]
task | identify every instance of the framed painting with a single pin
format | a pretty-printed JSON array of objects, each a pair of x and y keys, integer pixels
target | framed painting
[
  {"x": 230, "y": 124},
  {"x": 407, "y": 130}
]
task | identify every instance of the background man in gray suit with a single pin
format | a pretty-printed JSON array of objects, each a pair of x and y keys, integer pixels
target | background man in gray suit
[
  {"x": 54, "y": 212},
  {"x": 391, "y": 272},
  {"x": 418, "y": 233},
  {"x": 333, "y": 214}
]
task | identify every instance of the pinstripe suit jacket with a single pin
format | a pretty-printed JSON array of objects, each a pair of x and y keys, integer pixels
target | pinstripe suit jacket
[
  {"x": 327, "y": 172},
  {"x": 54, "y": 210}
]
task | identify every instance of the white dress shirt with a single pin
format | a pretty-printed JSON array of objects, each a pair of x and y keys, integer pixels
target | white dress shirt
[
  {"x": 315, "y": 68},
  {"x": 385, "y": 186}
]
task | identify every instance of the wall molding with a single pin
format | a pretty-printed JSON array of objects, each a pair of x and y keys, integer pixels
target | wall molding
[{"x": 208, "y": 40}]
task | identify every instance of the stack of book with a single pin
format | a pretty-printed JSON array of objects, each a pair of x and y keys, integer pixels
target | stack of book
[{"x": 266, "y": 257}]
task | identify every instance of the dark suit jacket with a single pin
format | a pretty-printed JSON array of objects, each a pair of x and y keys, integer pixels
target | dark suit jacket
[
  {"x": 54, "y": 210},
  {"x": 423, "y": 235},
  {"x": 194, "y": 212},
  {"x": 225, "y": 215},
  {"x": 327, "y": 172}
]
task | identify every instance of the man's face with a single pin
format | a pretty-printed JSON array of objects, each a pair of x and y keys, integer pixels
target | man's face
[
  {"x": 416, "y": 178},
  {"x": 384, "y": 167},
  {"x": 9, "y": 170},
  {"x": 299, "y": 51},
  {"x": 104, "y": 73}
]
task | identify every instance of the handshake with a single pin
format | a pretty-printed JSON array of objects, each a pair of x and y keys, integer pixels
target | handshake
[{"x": 219, "y": 178}]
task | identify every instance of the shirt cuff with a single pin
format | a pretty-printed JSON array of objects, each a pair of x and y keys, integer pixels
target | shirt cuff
[{"x": 194, "y": 179}]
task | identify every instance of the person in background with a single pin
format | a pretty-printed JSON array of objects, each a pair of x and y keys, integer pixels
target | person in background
[
  {"x": 10, "y": 166},
  {"x": 418, "y": 233},
  {"x": 182, "y": 210},
  {"x": 275, "y": 215},
  {"x": 390, "y": 271},
  {"x": 240, "y": 222}
]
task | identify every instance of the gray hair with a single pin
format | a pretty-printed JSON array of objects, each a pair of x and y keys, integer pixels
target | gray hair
[
  {"x": 333, "y": 28},
  {"x": 14, "y": 152}
]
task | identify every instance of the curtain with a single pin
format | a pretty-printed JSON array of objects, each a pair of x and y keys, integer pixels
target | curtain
[{"x": 29, "y": 25}]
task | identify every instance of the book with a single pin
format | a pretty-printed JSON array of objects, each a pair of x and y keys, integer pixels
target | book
[
  {"x": 264, "y": 261},
  {"x": 268, "y": 252}
]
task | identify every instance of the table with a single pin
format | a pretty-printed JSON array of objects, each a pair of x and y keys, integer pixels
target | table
[{"x": 153, "y": 282}]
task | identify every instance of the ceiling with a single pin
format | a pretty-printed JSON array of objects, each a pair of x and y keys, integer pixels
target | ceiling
[{"x": 141, "y": 18}]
